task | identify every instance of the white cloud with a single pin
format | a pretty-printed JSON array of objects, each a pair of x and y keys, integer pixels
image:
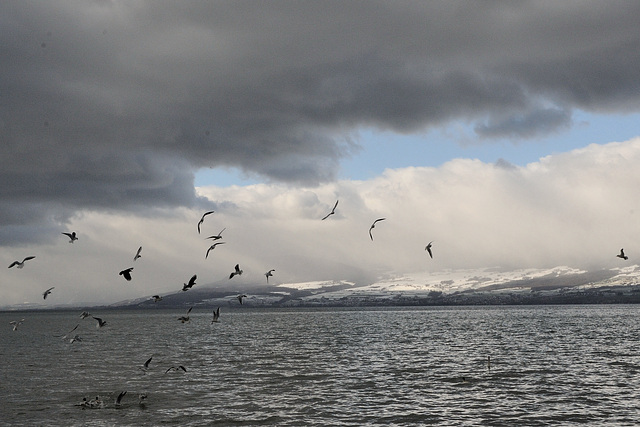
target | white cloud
[{"x": 576, "y": 208}]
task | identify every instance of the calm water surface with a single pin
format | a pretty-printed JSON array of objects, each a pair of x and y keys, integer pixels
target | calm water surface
[{"x": 551, "y": 365}]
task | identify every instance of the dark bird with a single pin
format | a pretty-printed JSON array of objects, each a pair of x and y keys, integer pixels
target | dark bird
[
  {"x": 20, "y": 264},
  {"x": 126, "y": 273},
  {"x": 144, "y": 367},
  {"x": 374, "y": 226},
  {"x": 216, "y": 315},
  {"x": 84, "y": 314},
  {"x": 47, "y": 292},
  {"x": 622, "y": 255},
  {"x": 332, "y": 211},
  {"x": 101, "y": 322},
  {"x": 428, "y": 249},
  {"x": 202, "y": 219},
  {"x": 72, "y": 236},
  {"x": 269, "y": 274},
  {"x": 192, "y": 282},
  {"x": 137, "y": 255},
  {"x": 156, "y": 298},
  {"x": 119, "y": 398},
  {"x": 217, "y": 236},
  {"x": 236, "y": 272},
  {"x": 184, "y": 319},
  {"x": 142, "y": 397},
  {"x": 211, "y": 248},
  {"x": 240, "y": 297},
  {"x": 173, "y": 368}
]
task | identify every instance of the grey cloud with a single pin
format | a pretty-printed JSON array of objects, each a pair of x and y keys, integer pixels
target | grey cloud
[{"x": 115, "y": 103}]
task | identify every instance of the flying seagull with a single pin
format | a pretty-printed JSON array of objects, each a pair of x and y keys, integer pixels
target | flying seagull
[
  {"x": 65, "y": 336},
  {"x": 240, "y": 298},
  {"x": 119, "y": 398},
  {"x": 47, "y": 292},
  {"x": 156, "y": 298},
  {"x": 236, "y": 272},
  {"x": 100, "y": 323},
  {"x": 374, "y": 226},
  {"x": 211, "y": 248},
  {"x": 20, "y": 264},
  {"x": 184, "y": 319},
  {"x": 622, "y": 255},
  {"x": 138, "y": 254},
  {"x": 84, "y": 314},
  {"x": 126, "y": 273},
  {"x": 216, "y": 315},
  {"x": 428, "y": 249},
  {"x": 144, "y": 367},
  {"x": 192, "y": 282},
  {"x": 202, "y": 219},
  {"x": 269, "y": 274},
  {"x": 72, "y": 236},
  {"x": 332, "y": 211},
  {"x": 217, "y": 236},
  {"x": 173, "y": 368},
  {"x": 16, "y": 323}
]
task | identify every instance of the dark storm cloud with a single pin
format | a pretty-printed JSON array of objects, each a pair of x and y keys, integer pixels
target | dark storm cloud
[{"x": 115, "y": 104}]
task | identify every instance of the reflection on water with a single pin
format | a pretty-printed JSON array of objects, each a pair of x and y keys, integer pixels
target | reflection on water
[{"x": 549, "y": 365}]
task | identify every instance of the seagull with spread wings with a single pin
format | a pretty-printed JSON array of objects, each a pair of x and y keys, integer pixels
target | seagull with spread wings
[
  {"x": 428, "y": 249},
  {"x": 212, "y": 247},
  {"x": 20, "y": 264},
  {"x": 216, "y": 236},
  {"x": 237, "y": 271},
  {"x": 622, "y": 255},
  {"x": 202, "y": 219},
  {"x": 185, "y": 318},
  {"x": 192, "y": 282},
  {"x": 332, "y": 211},
  {"x": 216, "y": 316},
  {"x": 126, "y": 273},
  {"x": 374, "y": 226},
  {"x": 72, "y": 236},
  {"x": 137, "y": 255},
  {"x": 269, "y": 274},
  {"x": 46, "y": 293}
]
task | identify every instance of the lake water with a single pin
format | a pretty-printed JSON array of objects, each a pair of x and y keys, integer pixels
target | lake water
[{"x": 550, "y": 365}]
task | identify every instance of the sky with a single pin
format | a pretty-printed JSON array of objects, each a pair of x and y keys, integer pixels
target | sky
[{"x": 504, "y": 132}]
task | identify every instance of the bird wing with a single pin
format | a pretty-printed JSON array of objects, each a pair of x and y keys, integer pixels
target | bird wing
[
  {"x": 189, "y": 311},
  {"x": 192, "y": 281},
  {"x": 120, "y": 396},
  {"x": 146, "y": 364},
  {"x": 28, "y": 258},
  {"x": 209, "y": 250},
  {"x": 14, "y": 263},
  {"x": 237, "y": 268}
]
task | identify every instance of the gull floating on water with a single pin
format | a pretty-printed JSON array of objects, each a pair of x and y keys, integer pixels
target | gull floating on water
[
  {"x": 192, "y": 282},
  {"x": 72, "y": 236},
  {"x": 142, "y": 397},
  {"x": 16, "y": 323},
  {"x": 174, "y": 368},
  {"x": 211, "y": 248},
  {"x": 126, "y": 273},
  {"x": 269, "y": 274},
  {"x": 622, "y": 255},
  {"x": 156, "y": 298},
  {"x": 428, "y": 249},
  {"x": 216, "y": 236},
  {"x": 137, "y": 255},
  {"x": 216, "y": 315},
  {"x": 202, "y": 219},
  {"x": 184, "y": 319},
  {"x": 332, "y": 211},
  {"x": 236, "y": 272},
  {"x": 100, "y": 323},
  {"x": 240, "y": 297},
  {"x": 20, "y": 264},
  {"x": 374, "y": 226},
  {"x": 47, "y": 292}
]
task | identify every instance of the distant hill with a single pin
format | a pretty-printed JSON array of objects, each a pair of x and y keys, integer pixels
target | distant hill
[{"x": 559, "y": 285}]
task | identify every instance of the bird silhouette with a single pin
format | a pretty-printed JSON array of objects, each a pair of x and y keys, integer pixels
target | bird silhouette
[
  {"x": 212, "y": 247},
  {"x": 126, "y": 273},
  {"x": 192, "y": 282},
  {"x": 46, "y": 293},
  {"x": 240, "y": 297},
  {"x": 428, "y": 249},
  {"x": 236, "y": 272},
  {"x": 622, "y": 255},
  {"x": 185, "y": 318},
  {"x": 20, "y": 264},
  {"x": 332, "y": 211},
  {"x": 216, "y": 315},
  {"x": 137, "y": 255},
  {"x": 202, "y": 219},
  {"x": 269, "y": 274},
  {"x": 72, "y": 236},
  {"x": 374, "y": 226},
  {"x": 216, "y": 236},
  {"x": 101, "y": 322}
]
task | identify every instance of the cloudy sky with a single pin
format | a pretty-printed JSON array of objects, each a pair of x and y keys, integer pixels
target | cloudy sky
[{"x": 505, "y": 132}]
